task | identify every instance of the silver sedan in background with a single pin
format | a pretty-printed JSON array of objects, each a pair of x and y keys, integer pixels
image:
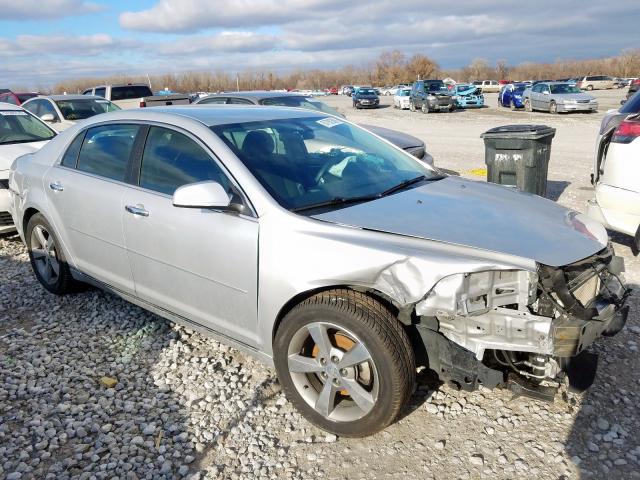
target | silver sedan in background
[
  {"x": 558, "y": 97},
  {"x": 322, "y": 249}
]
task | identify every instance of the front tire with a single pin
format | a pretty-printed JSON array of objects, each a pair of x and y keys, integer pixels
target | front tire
[
  {"x": 527, "y": 105},
  {"x": 412, "y": 107},
  {"x": 47, "y": 259},
  {"x": 512, "y": 105},
  {"x": 553, "y": 108},
  {"x": 345, "y": 362},
  {"x": 589, "y": 88},
  {"x": 424, "y": 108}
]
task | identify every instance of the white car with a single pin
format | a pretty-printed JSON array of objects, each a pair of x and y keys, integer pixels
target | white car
[
  {"x": 20, "y": 133},
  {"x": 401, "y": 98},
  {"x": 616, "y": 175},
  {"x": 63, "y": 111}
]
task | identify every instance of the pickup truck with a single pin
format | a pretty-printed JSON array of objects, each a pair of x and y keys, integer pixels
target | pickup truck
[{"x": 136, "y": 95}]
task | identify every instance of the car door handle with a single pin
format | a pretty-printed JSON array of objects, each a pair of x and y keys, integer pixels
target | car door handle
[
  {"x": 137, "y": 210},
  {"x": 56, "y": 186}
]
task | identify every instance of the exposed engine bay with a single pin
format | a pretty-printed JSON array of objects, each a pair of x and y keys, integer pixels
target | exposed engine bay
[{"x": 523, "y": 330}]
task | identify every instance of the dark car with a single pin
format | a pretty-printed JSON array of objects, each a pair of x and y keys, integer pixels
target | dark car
[
  {"x": 408, "y": 143},
  {"x": 512, "y": 95},
  {"x": 365, "y": 97},
  {"x": 431, "y": 96},
  {"x": 634, "y": 86}
]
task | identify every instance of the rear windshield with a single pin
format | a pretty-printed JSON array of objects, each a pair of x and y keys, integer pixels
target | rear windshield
[
  {"x": 23, "y": 97},
  {"x": 130, "y": 92},
  {"x": 18, "y": 126},
  {"x": 632, "y": 105},
  {"x": 84, "y": 108}
]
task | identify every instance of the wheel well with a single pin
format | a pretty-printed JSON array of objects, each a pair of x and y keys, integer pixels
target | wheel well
[
  {"x": 30, "y": 212},
  {"x": 301, "y": 297}
]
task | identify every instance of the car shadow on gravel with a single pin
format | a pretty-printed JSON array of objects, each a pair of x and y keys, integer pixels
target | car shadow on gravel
[
  {"x": 603, "y": 441},
  {"x": 58, "y": 417}
]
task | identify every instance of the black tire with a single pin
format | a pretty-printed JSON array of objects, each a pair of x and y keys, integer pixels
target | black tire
[
  {"x": 380, "y": 333},
  {"x": 412, "y": 107},
  {"x": 527, "y": 105},
  {"x": 553, "y": 107},
  {"x": 512, "y": 105},
  {"x": 62, "y": 282},
  {"x": 589, "y": 88},
  {"x": 424, "y": 108}
]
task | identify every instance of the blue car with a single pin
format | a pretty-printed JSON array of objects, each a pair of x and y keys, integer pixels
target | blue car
[
  {"x": 512, "y": 95},
  {"x": 467, "y": 96}
]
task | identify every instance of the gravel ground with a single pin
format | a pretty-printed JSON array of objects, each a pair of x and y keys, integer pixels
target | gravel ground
[{"x": 185, "y": 406}]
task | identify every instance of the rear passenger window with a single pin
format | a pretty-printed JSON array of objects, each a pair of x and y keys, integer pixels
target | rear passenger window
[
  {"x": 70, "y": 158},
  {"x": 240, "y": 101},
  {"x": 105, "y": 150},
  {"x": 172, "y": 159},
  {"x": 101, "y": 92}
]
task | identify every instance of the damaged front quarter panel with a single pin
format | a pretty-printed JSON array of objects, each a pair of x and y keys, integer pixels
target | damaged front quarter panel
[{"x": 489, "y": 310}]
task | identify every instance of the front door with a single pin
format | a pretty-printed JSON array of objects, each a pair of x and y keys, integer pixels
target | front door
[{"x": 201, "y": 264}]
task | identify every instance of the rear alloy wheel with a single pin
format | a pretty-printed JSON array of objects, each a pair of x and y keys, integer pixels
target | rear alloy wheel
[
  {"x": 553, "y": 108},
  {"x": 527, "y": 105},
  {"x": 589, "y": 87},
  {"x": 512, "y": 105},
  {"x": 345, "y": 362},
  {"x": 47, "y": 259}
]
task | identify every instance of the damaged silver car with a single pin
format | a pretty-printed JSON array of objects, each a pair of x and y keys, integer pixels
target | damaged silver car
[{"x": 324, "y": 250}]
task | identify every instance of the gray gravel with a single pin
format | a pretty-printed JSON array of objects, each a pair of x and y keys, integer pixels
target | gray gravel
[{"x": 185, "y": 406}]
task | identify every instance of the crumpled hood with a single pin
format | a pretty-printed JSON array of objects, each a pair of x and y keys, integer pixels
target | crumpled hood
[
  {"x": 481, "y": 215},
  {"x": 468, "y": 91},
  {"x": 8, "y": 153}
]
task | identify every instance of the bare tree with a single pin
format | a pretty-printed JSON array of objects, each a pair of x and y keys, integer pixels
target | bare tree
[{"x": 420, "y": 67}]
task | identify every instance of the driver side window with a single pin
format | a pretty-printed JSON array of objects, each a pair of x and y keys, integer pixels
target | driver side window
[{"x": 172, "y": 159}]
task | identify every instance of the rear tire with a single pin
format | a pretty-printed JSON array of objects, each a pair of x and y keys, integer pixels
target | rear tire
[
  {"x": 345, "y": 362},
  {"x": 589, "y": 88},
  {"x": 412, "y": 107},
  {"x": 47, "y": 258},
  {"x": 512, "y": 105}
]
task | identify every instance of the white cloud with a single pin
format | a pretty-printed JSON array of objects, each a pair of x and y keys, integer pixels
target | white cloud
[
  {"x": 223, "y": 42},
  {"x": 37, "y": 9}
]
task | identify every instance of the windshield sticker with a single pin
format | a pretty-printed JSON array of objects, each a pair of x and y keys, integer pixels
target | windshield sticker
[
  {"x": 329, "y": 122},
  {"x": 11, "y": 113}
]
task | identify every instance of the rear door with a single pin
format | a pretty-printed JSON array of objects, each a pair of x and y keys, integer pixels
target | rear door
[
  {"x": 199, "y": 263},
  {"x": 86, "y": 191}
]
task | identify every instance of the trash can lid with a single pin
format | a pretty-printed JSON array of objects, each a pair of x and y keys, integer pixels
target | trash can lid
[{"x": 527, "y": 132}]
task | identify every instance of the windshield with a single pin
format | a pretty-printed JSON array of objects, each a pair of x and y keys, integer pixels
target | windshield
[
  {"x": 404, "y": 93},
  {"x": 308, "y": 161},
  {"x": 564, "y": 88},
  {"x": 301, "y": 102},
  {"x": 84, "y": 108},
  {"x": 20, "y": 127},
  {"x": 366, "y": 91},
  {"x": 436, "y": 87}
]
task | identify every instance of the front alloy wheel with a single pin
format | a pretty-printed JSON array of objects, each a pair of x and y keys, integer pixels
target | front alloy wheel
[
  {"x": 412, "y": 107},
  {"x": 425, "y": 108},
  {"x": 553, "y": 108},
  {"x": 345, "y": 362},
  {"x": 527, "y": 105}
]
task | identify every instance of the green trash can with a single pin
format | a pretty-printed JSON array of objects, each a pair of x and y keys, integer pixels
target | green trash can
[{"x": 518, "y": 155}]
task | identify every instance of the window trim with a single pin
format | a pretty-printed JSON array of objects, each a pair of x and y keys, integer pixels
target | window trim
[{"x": 137, "y": 165}]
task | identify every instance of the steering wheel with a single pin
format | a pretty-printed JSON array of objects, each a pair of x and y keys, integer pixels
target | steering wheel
[{"x": 334, "y": 159}]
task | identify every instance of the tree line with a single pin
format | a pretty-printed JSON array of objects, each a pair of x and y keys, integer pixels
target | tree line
[{"x": 390, "y": 68}]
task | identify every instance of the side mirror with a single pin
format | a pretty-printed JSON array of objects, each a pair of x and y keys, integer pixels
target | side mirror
[
  {"x": 207, "y": 194},
  {"x": 545, "y": 92},
  {"x": 48, "y": 117}
]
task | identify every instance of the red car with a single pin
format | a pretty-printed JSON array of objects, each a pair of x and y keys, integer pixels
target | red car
[
  {"x": 16, "y": 98},
  {"x": 332, "y": 91}
]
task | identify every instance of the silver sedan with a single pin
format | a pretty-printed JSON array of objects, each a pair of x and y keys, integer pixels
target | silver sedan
[{"x": 322, "y": 249}]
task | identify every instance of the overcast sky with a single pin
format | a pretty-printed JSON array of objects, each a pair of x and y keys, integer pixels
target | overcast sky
[{"x": 44, "y": 41}]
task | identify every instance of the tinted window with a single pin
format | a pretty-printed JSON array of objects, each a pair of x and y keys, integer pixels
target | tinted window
[
  {"x": 32, "y": 106},
  {"x": 106, "y": 150},
  {"x": 82, "y": 108},
  {"x": 23, "y": 97},
  {"x": 214, "y": 100},
  {"x": 240, "y": 101},
  {"x": 101, "y": 92},
  {"x": 632, "y": 105},
  {"x": 9, "y": 98},
  {"x": 129, "y": 92},
  {"x": 172, "y": 159},
  {"x": 70, "y": 157}
]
